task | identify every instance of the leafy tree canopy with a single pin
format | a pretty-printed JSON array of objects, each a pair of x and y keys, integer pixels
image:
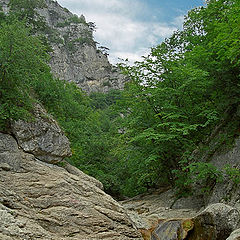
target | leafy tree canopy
[{"x": 142, "y": 137}]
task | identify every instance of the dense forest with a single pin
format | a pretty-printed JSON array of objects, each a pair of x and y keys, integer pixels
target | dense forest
[{"x": 142, "y": 137}]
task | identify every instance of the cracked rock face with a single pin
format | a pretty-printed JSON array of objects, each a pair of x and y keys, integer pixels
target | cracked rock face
[
  {"x": 75, "y": 56},
  {"x": 217, "y": 221},
  {"x": 9, "y": 153},
  {"x": 42, "y": 137},
  {"x": 157, "y": 217},
  {"x": 44, "y": 201}
]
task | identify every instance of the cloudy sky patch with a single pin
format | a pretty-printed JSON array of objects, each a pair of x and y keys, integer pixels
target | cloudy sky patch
[{"x": 129, "y": 28}]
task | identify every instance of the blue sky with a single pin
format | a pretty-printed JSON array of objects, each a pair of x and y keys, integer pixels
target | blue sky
[{"x": 129, "y": 28}]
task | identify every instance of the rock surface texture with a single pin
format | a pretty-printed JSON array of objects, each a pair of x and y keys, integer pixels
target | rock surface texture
[
  {"x": 39, "y": 200},
  {"x": 42, "y": 137},
  {"x": 75, "y": 56},
  {"x": 159, "y": 217},
  {"x": 217, "y": 221},
  {"x": 43, "y": 201},
  {"x": 227, "y": 191},
  {"x": 235, "y": 235}
]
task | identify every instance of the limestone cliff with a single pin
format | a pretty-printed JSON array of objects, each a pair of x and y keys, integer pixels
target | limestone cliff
[
  {"x": 39, "y": 200},
  {"x": 75, "y": 56}
]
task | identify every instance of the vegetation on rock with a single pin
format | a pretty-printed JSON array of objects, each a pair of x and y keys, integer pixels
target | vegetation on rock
[{"x": 141, "y": 137}]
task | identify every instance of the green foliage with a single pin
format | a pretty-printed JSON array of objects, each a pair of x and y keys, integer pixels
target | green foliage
[
  {"x": 76, "y": 19},
  {"x": 177, "y": 95},
  {"x": 73, "y": 19},
  {"x": 107, "y": 84},
  {"x": 23, "y": 61},
  {"x": 103, "y": 101},
  {"x": 82, "y": 40},
  {"x": 66, "y": 10},
  {"x": 71, "y": 45},
  {"x": 142, "y": 137},
  {"x": 201, "y": 174},
  {"x": 233, "y": 174},
  {"x": 26, "y": 10},
  {"x": 53, "y": 35},
  {"x": 61, "y": 164}
]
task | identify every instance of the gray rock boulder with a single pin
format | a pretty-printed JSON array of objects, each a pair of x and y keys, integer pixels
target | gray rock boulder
[
  {"x": 154, "y": 216},
  {"x": 226, "y": 191},
  {"x": 75, "y": 171},
  {"x": 235, "y": 235},
  {"x": 42, "y": 137},
  {"x": 217, "y": 221},
  {"x": 44, "y": 201},
  {"x": 176, "y": 229},
  {"x": 9, "y": 153}
]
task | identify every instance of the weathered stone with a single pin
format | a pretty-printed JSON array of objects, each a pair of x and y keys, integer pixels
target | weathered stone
[
  {"x": 217, "y": 221},
  {"x": 5, "y": 166},
  {"x": 155, "y": 219},
  {"x": 4, "y": 6},
  {"x": 42, "y": 137},
  {"x": 75, "y": 57},
  {"x": 146, "y": 211},
  {"x": 81, "y": 175},
  {"x": 235, "y": 235},
  {"x": 9, "y": 153},
  {"x": 44, "y": 201},
  {"x": 226, "y": 191},
  {"x": 190, "y": 202},
  {"x": 176, "y": 229}
]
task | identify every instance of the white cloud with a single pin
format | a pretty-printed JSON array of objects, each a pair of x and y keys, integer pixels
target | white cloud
[
  {"x": 178, "y": 21},
  {"x": 131, "y": 56},
  {"x": 120, "y": 26},
  {"x": 162, "y": 30}
]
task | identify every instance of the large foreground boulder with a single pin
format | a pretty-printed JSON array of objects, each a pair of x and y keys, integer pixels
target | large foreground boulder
[
  {"x": 44, "y": 201},
  {"x": 9, "y": 153}
]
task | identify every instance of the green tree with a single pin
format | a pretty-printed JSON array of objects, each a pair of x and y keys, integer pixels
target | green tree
[
  {"x": 25, "y": 10},
  {"x": 178, "y": 93},
  {"x": 23, "y": 60}
]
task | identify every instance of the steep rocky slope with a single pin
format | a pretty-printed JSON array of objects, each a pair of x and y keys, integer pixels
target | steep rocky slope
[
  {"x": 39, "y": 200},
  {"x": 75, "y": 56}
]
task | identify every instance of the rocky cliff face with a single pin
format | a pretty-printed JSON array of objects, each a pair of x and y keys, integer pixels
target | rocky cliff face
[
  {"x": 4, "y": 5},
  {"x": 75, "y": 56},
  {"x": 39, "y": 200}
]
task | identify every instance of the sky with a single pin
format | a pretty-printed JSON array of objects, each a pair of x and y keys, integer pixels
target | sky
[{"x": 129, "y": 28}]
